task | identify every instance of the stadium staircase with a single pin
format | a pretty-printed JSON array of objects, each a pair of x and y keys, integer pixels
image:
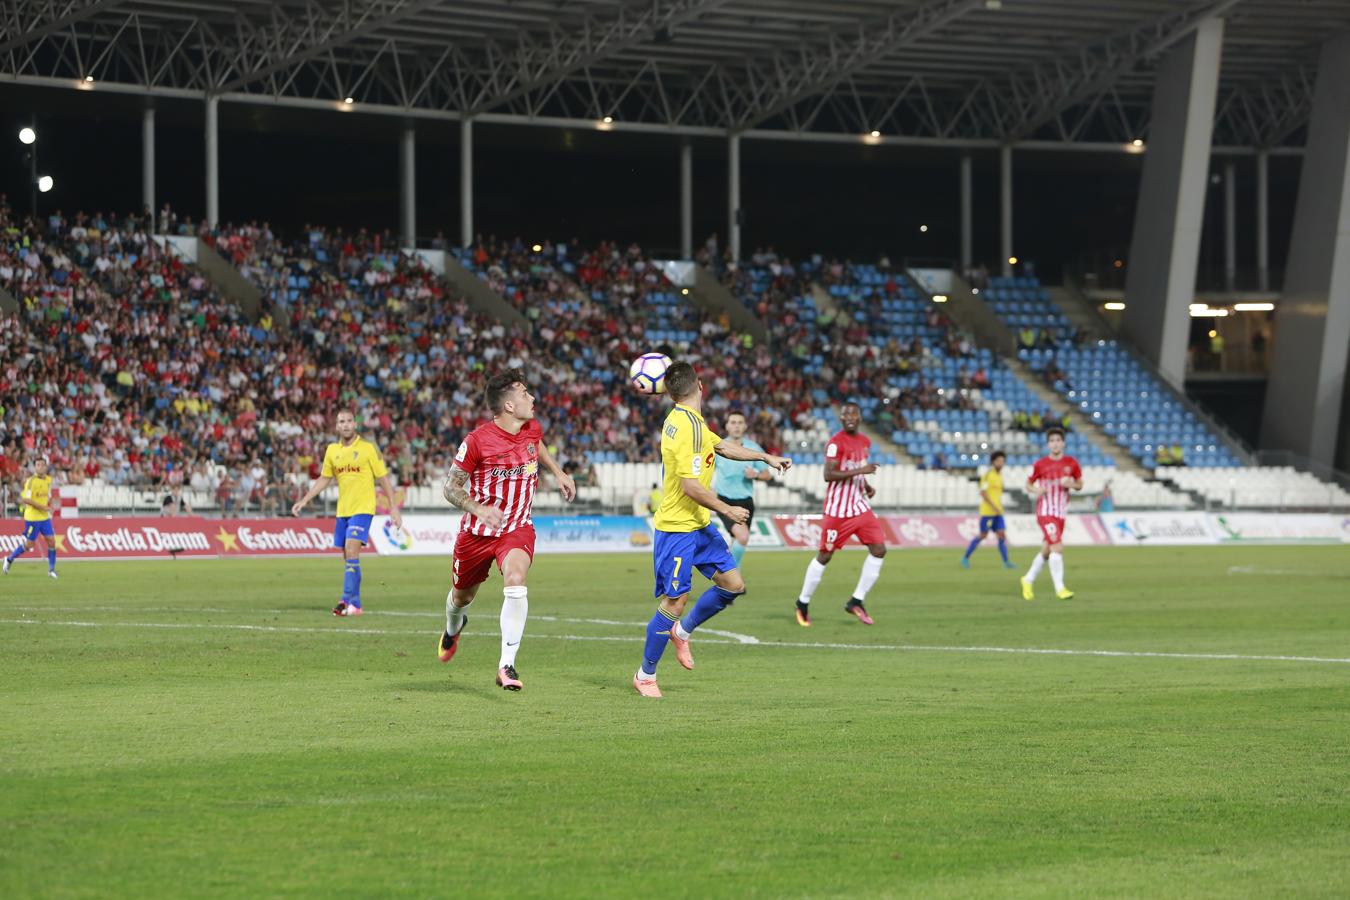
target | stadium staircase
[
  {"x": 480, "y": 296},
  {"x": 968, "y": 311},
  {"x": 710, "y": 295},
  {"x": 231, "y": 283},
  {"x": 1080, "y": 312}
]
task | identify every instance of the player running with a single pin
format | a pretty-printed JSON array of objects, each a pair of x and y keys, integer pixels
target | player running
[
  {"x": 685, "y": 539},
  {"x": 493, "y": 481},
  {"x": 735, "y": 484},
  {"x": 1050, "y": 481},
  {"x": 991, "y": 510},
  {"x": 847, "y": 513},
  {"x": 357, "y": 466},
  {"x": 37, "y": 517}
]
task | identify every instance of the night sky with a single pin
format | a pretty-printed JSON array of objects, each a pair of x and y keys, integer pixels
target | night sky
[{"x": 290, "y": 167}]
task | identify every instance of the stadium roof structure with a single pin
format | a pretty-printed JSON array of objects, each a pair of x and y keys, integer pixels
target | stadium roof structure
[{"x": 1053, "y": 73}]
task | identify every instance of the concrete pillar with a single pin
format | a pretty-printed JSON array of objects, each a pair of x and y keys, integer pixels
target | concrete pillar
[
  {"x": 1305, "y": 392},
  {"x": 1005, "y": 193},
  {"x": 686, "y": 201},
  {"x": 1263, "y": 218},
  {"x": 148, "y": 161},
  {"x": 408, "y": 187},
  {"x": 1165, "y": 248},
  {"x": 466, "y": 182},
  {"x": 967, "y": 244},
  {"x": 1230, "y": 225},
  {"x": 734, "y": 196},
  {"x": 212, "y": 162}
]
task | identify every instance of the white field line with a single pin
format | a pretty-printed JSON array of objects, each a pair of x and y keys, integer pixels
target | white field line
[
  {"x": 906, "y": 648},
  {"x": 735, "y": 637}
]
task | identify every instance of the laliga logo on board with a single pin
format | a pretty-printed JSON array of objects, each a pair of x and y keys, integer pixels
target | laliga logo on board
[
  {"x": 399, "y": 537},
  {"x": 918, "y": 531}
]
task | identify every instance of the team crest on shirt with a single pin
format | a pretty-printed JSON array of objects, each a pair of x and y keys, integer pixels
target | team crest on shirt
[{"x": 531, "y": 449}]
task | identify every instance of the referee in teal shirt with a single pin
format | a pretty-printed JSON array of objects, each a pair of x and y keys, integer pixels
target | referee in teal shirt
[{"x": 735, "y": 484}]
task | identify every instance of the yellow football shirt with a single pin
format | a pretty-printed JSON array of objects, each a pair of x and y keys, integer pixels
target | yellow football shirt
[
  {"x": 355, "y": 466},
  {"x": 687, "y": 446},
  {"x": 39, "y": 490},
  {"x": 992, "y": 484}
]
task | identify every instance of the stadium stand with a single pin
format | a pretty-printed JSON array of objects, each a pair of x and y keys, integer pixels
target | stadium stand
[{"x": 142, "y": 382}]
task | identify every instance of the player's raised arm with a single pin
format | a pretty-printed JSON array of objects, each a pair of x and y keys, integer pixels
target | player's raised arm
[
  {"x": 707, "y": 498},
  {"x": 728, "y": 450},
  {"x": 565, "y": 482}
]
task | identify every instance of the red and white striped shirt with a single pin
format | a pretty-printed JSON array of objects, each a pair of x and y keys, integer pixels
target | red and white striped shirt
[
  {"x": 1053, "y": 502},
  {"x": 845, "y": 499},
  {"x": 503, "y": 472}
]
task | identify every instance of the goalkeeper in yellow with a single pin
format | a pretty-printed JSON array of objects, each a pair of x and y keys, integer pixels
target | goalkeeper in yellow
[{"x": 36, "y": 502}]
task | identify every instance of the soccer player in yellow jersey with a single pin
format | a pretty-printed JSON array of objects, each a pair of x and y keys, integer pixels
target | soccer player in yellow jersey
[
  {"x": 991, "y": 510},
  {"x": 37, "y": 517},
  {"x": 685, "y": 538},
  {"x": 356, "y": 465}
]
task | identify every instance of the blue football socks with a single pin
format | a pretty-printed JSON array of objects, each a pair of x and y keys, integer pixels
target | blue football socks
[
  {"x": 51, "y": 560},
  {"x": 658, "y": 636},
  {"x": 18, "y": 551},
  {"x": 351, "y": 583},
  {"x": 1003, "y": 548},
  {"x": 975, "y": 542},
  {"x": 713, "y": 601}
]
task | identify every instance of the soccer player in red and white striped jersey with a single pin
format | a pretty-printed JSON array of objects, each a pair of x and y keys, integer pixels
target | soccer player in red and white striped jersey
[
  {"x": 493, "y": 480},
  {"x": 1051, "y": 480},
  {"x": 848, "y": 512}
]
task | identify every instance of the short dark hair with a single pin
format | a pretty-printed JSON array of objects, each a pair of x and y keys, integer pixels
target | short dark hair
[
  {"x": 1051, "y": 432},
  {"x": 997, "y": 454},
  {"x": 497, "y": 387},
  {"x": 852, "y": 403},
  {"x": 681, "y": 381}
]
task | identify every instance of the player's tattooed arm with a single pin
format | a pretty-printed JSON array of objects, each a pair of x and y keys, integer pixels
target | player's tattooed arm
[{"x": 456, "y": 490}]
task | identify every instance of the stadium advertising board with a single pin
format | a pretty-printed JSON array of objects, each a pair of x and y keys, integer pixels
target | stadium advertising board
[
  {"x": 1279, "y": 528},
  {"x": 803, "y": 532},
  {"x": 420, "y": 535},
  {"x": 591, "y": 534},
  {"x": 1152, "y": 528},
  {"x": 763, "y": 534},
  {"x": 435, "y": 535},
  {"x": 945, "y": 531},
  {"x": 140, "y": 537}
]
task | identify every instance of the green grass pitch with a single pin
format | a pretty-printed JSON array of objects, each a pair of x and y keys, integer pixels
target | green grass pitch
[{"x": 208, "y": 729}]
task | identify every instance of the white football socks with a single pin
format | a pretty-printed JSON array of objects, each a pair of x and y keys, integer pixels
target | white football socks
[
  {"x": 871, "y": 571},
  {"x": 1036, "y": 562},
  {"x": 814, "y": 572},
  {"x": 454, "y": 615},
  {"x": 1057, "y": 570},
  {"x": 514, "y": 607}
]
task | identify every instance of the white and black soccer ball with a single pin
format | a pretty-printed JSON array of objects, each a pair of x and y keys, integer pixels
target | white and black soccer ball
[{"x": 648, "y": 373}]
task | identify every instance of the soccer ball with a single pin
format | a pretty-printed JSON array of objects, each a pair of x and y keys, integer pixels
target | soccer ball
[{"x": 648, "y": 373}]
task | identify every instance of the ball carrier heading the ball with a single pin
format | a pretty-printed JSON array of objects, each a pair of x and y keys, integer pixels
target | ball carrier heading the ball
[
  {"x": 685, "y": 537},
  {"x": 847, "y": 513},
  {"x": 493, "y": 481}
]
